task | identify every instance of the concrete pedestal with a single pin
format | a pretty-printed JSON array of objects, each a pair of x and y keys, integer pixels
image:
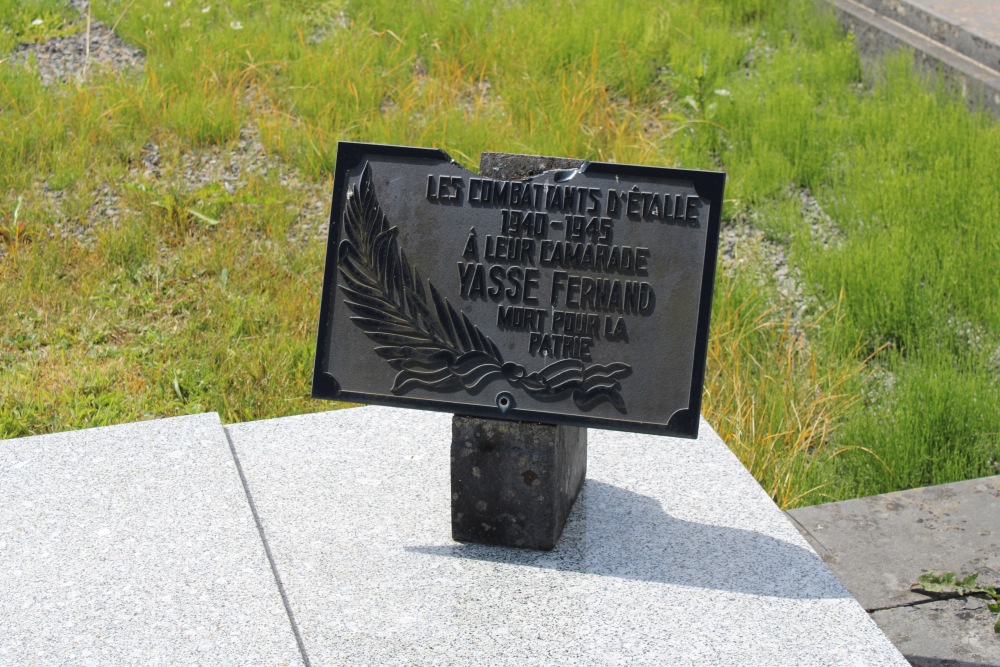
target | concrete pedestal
[{"x": 513, "y": 483}]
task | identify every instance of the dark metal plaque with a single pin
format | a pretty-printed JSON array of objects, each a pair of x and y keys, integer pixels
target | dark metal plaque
[{"x": 578, "y": 296}]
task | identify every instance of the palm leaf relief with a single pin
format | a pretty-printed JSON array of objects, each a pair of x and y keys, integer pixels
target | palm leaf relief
[{"x": 429, "y": 342}]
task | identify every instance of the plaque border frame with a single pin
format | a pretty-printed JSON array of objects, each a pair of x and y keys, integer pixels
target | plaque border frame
[{"x": 683, "y": 423}]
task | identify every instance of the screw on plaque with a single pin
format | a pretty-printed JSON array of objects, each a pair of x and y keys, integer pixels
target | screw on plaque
[{"x": 505, "y": 401}]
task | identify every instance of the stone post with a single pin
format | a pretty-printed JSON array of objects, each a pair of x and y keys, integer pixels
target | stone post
[{"x": 514, "y": 483}]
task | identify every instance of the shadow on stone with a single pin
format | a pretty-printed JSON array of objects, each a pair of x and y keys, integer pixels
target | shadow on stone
[
  {"x": 618, "y": 533},
  {"x": 920, "y": 661}
]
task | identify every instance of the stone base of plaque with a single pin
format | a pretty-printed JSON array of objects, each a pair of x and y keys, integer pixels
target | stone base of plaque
[{"x": 513, "y": 483}]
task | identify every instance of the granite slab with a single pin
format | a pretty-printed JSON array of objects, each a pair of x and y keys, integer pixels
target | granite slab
[
  {"x": 673, "y": 554},
  {"x": 131, "y": 545}
]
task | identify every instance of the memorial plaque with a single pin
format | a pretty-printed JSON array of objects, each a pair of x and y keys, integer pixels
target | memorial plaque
[{"x": 577, "y": 296}]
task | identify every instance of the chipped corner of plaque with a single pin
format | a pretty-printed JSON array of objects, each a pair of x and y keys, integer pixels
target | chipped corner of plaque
[{"x": 513, "y": 166}]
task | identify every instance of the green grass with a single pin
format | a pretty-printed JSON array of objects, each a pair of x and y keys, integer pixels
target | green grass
[
  {"x": 32, "y": 21},
  {"x": 910, "y": 178},
  {"x": 197, "y": 299}
]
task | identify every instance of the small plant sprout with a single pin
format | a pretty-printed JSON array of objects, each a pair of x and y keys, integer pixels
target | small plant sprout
[{"x": 946, "y": 585}]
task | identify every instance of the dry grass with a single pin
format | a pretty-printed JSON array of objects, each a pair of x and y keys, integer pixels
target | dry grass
[{"x": 773, "y": 400}]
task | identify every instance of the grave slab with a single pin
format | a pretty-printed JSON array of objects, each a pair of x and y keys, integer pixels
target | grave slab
[
  {"x": 673, "y": 554},
  {"x": 880, "y": 26},
  {"x": 943, "y": 633},
  {"x": 879, "y": 545},
  {"x": 971, "y": 27},
  {"x": 134, "y": 544}
]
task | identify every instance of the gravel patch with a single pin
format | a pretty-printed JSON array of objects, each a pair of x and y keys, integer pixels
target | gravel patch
[
  {"x": 233, "y": 167},
  {"x": 975, "y": 337},
  {"x": 744, "y": 247},
  {"x": 68, "y": 59},
  {"x": 823, "y": 228},
  {"x": 107, "y": 206},
  {"x": 326, "y": 23}
]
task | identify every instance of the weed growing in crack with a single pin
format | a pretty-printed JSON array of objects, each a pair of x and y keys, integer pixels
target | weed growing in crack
[{"x": 946, "y": 585}]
